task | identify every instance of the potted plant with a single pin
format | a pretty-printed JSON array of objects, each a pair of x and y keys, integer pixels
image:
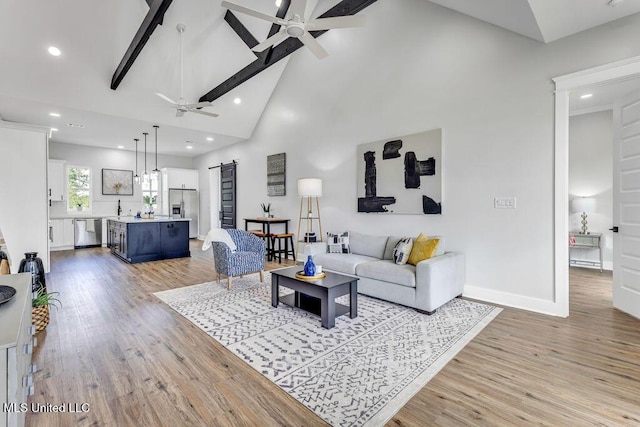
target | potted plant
[
  {"x": 40, "y": 307},
  {"x": 266, "y": 209},
  {"x": 79, "y": 206}
]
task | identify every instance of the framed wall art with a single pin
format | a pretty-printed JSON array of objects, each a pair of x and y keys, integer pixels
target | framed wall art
[
  {"x": 276, "y": 174},
  {"x": 116, "y": 182},
  {"x": 401, "y": 175}
]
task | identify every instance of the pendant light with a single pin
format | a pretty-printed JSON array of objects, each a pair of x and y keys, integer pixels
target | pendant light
[
  {"x": 136, "y": 178},
  {"x": 155, "y": 174},
  {"x": 145, "y": 174}
]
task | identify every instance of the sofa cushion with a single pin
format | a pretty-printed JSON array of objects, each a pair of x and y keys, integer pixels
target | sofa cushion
[
  {"x": 423, "y": 248},
  {"x": 388, "y": 271},
  {"x": 341, "y": 263},
  {"x": 366, "y": 244},
  {"x": 402, "y": 250},
  {"x": 392, "y": 241},
  {"x": 338, "y": 243}
]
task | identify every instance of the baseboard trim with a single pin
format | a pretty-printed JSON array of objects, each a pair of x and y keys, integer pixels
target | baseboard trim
[{"x": 512, "y": 300}]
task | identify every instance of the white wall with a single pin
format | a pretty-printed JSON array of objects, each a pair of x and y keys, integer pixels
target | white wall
[
  {"x": 416, "y": 66},
  {"x": 99, "y": 158},
  {"x": 591, "y": 175}
]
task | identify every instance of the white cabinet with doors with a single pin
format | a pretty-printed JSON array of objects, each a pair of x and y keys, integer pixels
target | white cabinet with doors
[
  {"x": 179, "y": 178},
  {"x": 55, "y": 176},
  {"x": 61, "y": 234}
]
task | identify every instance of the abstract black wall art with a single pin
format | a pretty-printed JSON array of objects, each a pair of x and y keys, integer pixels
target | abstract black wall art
[
  {"x": 401, "y": 175},
  {"x": 276, "y": 174}
]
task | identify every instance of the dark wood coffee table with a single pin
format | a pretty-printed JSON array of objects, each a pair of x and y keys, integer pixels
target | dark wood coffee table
[{"x": 316, "y": 296}]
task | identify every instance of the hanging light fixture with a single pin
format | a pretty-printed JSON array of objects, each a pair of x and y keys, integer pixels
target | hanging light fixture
[
  {"x": 145, "y": 174},
  {"x": 136, "y": 178},
  {"x": 155, "y": 174}
]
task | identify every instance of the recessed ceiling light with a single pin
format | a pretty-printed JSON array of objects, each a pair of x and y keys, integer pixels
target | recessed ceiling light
[
  {"x": 54, "y": 129},
  {"x": 54, "y": 114},
  {"x": 189, "y": 147},
  {"x": 237, "y": 101},
  {"x": 209, "y": 138},
  {"x": 121, "y": 146},
  {"x": 54, "y": 51},
  {"x": 74, "y": 125},
  {"x": 586, "y": 95}
]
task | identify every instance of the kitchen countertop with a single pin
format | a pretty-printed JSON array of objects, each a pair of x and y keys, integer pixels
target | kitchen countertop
[
  {"x": 131, "y": 220},
  {"x": 78, "y": 216}
]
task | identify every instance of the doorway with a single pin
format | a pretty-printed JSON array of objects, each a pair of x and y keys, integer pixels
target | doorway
[{"x": 565, "y": 85}]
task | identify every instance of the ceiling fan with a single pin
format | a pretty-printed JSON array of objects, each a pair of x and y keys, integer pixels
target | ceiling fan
[
  {"x": 294, "y": 25},
  {"x": 181, "y": 106}
]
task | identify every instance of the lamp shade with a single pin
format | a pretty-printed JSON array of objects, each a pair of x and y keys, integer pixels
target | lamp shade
[
  {"x": 310, "y": 187},
  {"x": 583, "y": 204}
]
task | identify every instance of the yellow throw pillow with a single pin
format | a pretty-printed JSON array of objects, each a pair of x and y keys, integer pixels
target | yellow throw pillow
[{"x": 423, "y": 248}]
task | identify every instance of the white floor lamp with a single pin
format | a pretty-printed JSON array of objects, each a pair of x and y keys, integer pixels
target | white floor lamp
[{"x": 309, "y": 189}]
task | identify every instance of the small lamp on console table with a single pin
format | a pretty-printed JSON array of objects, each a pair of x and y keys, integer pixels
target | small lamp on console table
[{"x": 584, "y": 205}]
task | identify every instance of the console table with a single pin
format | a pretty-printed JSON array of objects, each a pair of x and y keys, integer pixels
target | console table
[{"x": 585, "y": 241}]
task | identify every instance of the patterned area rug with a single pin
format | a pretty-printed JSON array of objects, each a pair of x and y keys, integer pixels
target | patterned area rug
[{"x": 359, "y": 373}]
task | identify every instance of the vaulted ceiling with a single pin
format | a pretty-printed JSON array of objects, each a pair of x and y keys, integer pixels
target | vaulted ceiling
[{"x": 94, "y": 35}]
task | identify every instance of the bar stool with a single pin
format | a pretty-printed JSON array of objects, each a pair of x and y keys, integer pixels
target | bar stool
[
  {"x": 268, "y": 240},
  {"x": 287, "y": 238}
]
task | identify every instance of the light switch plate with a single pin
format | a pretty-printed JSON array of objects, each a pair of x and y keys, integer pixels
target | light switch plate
[{"x": 504, "y": 202}]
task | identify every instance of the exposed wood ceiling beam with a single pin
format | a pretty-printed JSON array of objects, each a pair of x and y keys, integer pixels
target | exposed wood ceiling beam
[
  {"x": 154, "y": 18},
  {"x": 284, "y": 49},
  {"x": 240, "y": 29},
  {"x": 281, "y": 13}
]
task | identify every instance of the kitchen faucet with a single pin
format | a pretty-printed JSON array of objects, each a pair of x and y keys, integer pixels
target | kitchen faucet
[{"x": 119, "y": 208}]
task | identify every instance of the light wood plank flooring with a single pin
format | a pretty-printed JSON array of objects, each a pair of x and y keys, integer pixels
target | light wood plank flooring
[{"x": 136, "y": 362}]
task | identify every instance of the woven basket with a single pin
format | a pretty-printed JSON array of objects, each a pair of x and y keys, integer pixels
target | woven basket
[{"x": 40, "y": 317}]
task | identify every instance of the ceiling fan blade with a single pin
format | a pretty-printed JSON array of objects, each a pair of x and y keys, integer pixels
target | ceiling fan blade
[
  {"x": 204, "y": 113},
  {"x": 198, "y": 105},
  {"x": 297, "y": 8},
  {"x": 253, "y": 13},
  {"x": 274, "y": 39},
  {"x": 336, "y": 22},
  {"x": 309, "y": 41},
  {"x": 166, "y": 98}
]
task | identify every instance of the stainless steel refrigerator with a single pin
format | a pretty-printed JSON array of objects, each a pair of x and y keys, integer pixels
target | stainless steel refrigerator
[{"x": 183, "y": 203}]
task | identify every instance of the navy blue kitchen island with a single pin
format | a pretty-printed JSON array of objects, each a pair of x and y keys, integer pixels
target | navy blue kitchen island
[{"x": 141, "y": 240}]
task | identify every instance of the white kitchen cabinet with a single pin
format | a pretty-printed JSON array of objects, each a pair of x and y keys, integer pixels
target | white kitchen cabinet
[
  {"x": 55, "y": 176},
  {"x": 16, "y": 348},
  {"x": 24, "y": 193},
  {"x": 179, "y": 178},
  {"x": 61, "y": 234}
]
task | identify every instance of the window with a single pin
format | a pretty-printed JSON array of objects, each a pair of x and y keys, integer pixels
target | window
[
  {"x": 150, "y": 195},
  {"x": 79, "y": 185}
]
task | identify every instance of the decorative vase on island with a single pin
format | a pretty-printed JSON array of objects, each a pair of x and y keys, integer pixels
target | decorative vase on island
[
  {"x": 309, "y": 267},
  {"x": 32, "y": 264},
  {"x": 4, "y": 263}
]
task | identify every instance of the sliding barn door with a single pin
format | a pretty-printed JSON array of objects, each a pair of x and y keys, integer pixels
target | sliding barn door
[{"x": 228, "y": 196}]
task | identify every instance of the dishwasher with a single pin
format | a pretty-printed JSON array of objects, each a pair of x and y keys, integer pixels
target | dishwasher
[{"x": 87, "y": 232}]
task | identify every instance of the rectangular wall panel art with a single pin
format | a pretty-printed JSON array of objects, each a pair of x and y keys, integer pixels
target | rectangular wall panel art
[
  {"x": 401, "y": 175},
  {"x": 276, "y": 174}
]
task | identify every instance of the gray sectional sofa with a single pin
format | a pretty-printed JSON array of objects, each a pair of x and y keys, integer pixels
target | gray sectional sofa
[{"x": 425, "y": 287}]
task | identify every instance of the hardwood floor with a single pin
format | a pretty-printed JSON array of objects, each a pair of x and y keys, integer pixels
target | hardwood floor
[{"x": 135, "y": 361}]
